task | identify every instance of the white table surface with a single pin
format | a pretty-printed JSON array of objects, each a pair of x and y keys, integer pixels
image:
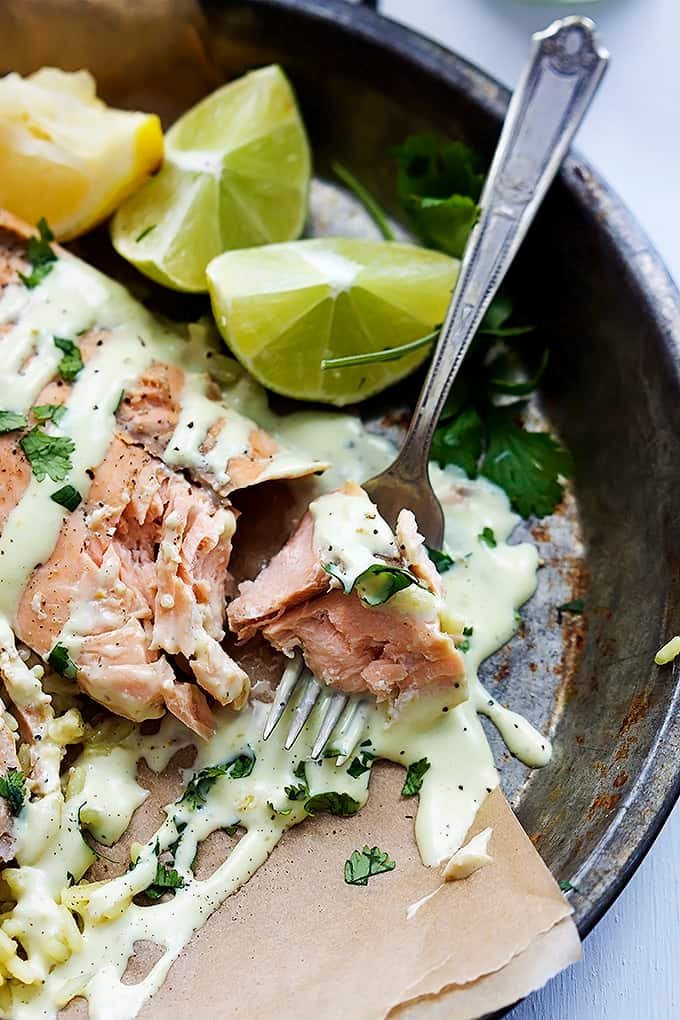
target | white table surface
[{"x": 630, "y": 969}]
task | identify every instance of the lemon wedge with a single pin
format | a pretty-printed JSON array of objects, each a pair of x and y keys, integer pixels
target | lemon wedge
[{"x": 65, "y": 154}]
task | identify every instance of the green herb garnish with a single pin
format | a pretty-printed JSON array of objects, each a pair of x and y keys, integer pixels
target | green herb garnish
[
  {"x": 48, "y": 412},
  {"x": 62, "y": 663},
  {"x": 566, "y": 886},
  {"x": 10, "y": 421},
  {"x": 361, "y": 764},
  {"x": 145, "y": 233},
  {"x": 464, "y": 646},
  {"x": 364, "y": 864},
  {"x": 49, "y": 455},
  {"x": 576, "y": 606},
  {"x": 68, "y": 497},
  {"x": 366, "y": 198},
  {"x": 165, "y": 880},
  {"x": 71, "y": 362},
  {"x": 387, "y": 354},
  {"x": 487, "y": 536},
  {"x": 13, "y": 789},
  {"x": 414, "y": 777},
  {"x": 298, "y": 792},
  {"x": 201, "y": 782},
  {"x": 333, "y": 804},
  {"x": 439, "y": 184},
  {"x": 441, "y": 560},
  {"x": 40, "y": 254},
  {"x": 379, "y": 582}
]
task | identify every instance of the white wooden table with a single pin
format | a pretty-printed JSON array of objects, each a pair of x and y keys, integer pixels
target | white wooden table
[{"x": 631, "y": 969}]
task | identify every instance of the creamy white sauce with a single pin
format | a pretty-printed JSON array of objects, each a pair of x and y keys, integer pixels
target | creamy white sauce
[
  {"x": 350, "y": 535},
  {"x": 483, "y": 591}
]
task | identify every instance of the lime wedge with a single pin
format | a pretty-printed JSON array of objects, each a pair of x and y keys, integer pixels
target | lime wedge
[
  {"x": 284, "y": 308},
  {"x": 236, "y": 174}
]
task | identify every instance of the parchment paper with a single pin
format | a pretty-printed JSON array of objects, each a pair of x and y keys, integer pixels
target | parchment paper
[{"x": 297, "y": 943}]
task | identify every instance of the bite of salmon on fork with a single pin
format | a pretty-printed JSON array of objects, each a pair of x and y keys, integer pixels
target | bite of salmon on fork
[{"x": 118, "y": 454}]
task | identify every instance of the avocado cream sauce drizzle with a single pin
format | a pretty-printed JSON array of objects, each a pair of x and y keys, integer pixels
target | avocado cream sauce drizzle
[{"x": 100, "y": 791}]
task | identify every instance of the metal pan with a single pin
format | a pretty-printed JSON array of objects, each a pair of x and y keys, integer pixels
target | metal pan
[{"x": 594, "y": 286}]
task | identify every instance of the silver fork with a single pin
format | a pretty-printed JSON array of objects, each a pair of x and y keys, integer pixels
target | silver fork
[{"x": 564, "y": 69}]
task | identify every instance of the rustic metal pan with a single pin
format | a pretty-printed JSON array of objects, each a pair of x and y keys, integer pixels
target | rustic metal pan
[{"x": 592, "y": 283}]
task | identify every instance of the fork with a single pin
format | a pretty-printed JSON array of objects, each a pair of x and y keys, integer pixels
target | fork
[{"x": 565, "y": 66}]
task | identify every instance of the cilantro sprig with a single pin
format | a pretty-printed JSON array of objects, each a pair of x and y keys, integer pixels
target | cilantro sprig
[
  {"x": 10, "y": 421},
  {"x": 71, "y": 361},
  {"x": 13, "y": 789},
  {"x": 48, "y": 455},
  {"x": 48, "y": 412},
  {"x": 364, "y": 864},
  {"x": 40, "y": 254}
]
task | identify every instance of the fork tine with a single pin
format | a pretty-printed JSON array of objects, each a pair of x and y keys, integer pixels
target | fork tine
[
  {"x": 303, "y": 709},
  {"x": 284, "y": 692},
  {"x": 332, "y": 712},
  {"x": 352, "y": 727}
]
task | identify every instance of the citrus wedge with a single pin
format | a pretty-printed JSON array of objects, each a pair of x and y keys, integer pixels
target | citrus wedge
[
  {"x": 284, "y": 308},
  {"x": 236, "y": 174},
  {"x": 67, "y": 156}
]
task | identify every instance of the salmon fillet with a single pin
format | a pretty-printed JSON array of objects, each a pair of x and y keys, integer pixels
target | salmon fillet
[
  {"x": 380, "y": 649},
  {"x": 137, "y": 581}
]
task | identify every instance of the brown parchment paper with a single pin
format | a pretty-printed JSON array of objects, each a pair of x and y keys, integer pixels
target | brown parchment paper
[{"x": 297, "y": 943}]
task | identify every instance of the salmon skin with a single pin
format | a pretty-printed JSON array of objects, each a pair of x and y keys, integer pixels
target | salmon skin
[
  {"x": 136, "y": 583},
  {"x": 387, "y": 650}
]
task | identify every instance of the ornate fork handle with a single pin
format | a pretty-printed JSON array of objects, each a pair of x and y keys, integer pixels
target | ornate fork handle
[{"x": 564, "y": 70}]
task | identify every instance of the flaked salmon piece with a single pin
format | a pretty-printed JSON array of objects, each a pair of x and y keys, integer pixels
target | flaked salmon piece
[
  {"x": 293, "y": 576},
  {"x": 139, "y": 570},
  {"x": 150, "y": 412},
  {"x": 357, "y": 648},
  {"x": 384, "y": 649}
]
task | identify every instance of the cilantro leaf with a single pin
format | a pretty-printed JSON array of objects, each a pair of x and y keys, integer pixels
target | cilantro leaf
[
  {"x": 48, "y": 412},
  {"x": 333, "y": 803},
  {"x": 49, "y": 455},
  {"x": 575, "y": 606},
  {"x": 71, "y": 362},
  {"x": 441, "y": 560},
  {"x": 364, "y": 864},
  {"x": 68, "y": 497},
  {"x": 299, "y": 771},
  {"x": 62, "y": 663},
  {"x": 298, "y": 792},
  {"x": 566, "y": 886},
  {"x": 201, "y": 782},
  {"x": 10, "y": 421},
  {"x": 13, "y": 789},
  {"x": 414, "y": 777},
  {"x": 379, "y": 582},
  {"x": 464, "y": 646},
  {"x": 487, "y": 536},
  {"x": 460, "y": 441},
  {"x": 526, "y": 464},
  {"x": 165, "y": 880},
  {"x": 40, "y": 254},
  {"x": 439, "y": 183},
  {"x": 361, "y": 764}
]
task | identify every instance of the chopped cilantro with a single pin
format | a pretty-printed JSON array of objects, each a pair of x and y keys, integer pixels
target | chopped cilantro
[
  {"x": 361, "y": 764},
  {"x": 378, "y": 583},
  {"x": 40, "y": 254},
  {"x": 201, "y": 782},
  {"x": 299, "y": 771},
  {"x": 71, "y": 362},
  {"x": 13, "y": 789},
  {"x": 61, "y": 662},
  {"x": 48, "y": 412},
  {"x": 364, "y": 864},
  {"x": 165, "y": 880},
  {"x": 414, "y": 777},
  {"x": 439, "y": 184},
  {"x": 441, "y": 560},
  {"x": 528, "y": 465},
  {"x": 231, "y": 830},
  {"x": 279, "y": 811},
  {"x": 575, "y": 606},
  {"x": 566, "y": 886},
  {"x": 49, "y": 455},
  {"x": 333, "y": 803},
  {"x": 145, "y": 233},
  {"x": 298, "y": 792},
  {"x": 10, "y": 421},
  {"x": 464, "y": 645},
  {"x": 487, "y": 536},
  {"x": 68, "y": 497}
]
